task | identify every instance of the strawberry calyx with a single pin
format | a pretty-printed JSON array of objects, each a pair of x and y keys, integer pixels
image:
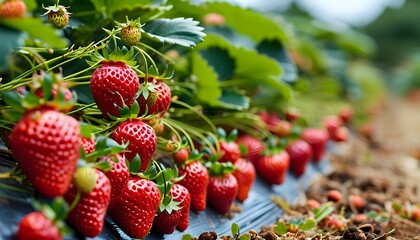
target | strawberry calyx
[
  {"x": 56, "y": 212},
  {"x": 216, "y": 168},
  {"x": 231, "y": 137},
  {"x": 56, "y": 9},
  {"x": 104, "y": 146},
  {"x": 275, "y": 145},
  {"x": 122, "y": 55},
  {"x": 46, "y": 91},
  {"x": 168, "y": 204}
]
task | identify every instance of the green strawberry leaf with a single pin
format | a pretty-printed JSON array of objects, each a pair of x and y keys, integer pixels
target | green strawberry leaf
[
  {"x": 87, "y": 129},
  {"x": 233, "y": 135},
  {"x": 104, "y": 166},
  {"x": 125, "y": 111},
  {"x": 245, "y": 237},
  {"x": 280, "y": 228},
  {"x": 47, "y": 86},
  {"x": 273, "y": 48},
  {"x": 221, "y": 133},
  {"x": 258, "y": 26},
  {"x": 136, "y": 9},
  {"x": 323, "y": 211},
  {"x": 234, "y": 230},
  {"x": 135, "y": 164},
  {"x": 135, "y": 109},
  {"x": 307, "y": 225},
  {"x": 60, "y": 207},
  {"x": 243, "y": 149},
  {"x": 36, "y": 29},
  {"x": 181, "y": 31},
  {"x": 152, "y": 71},
  {"x": 10, "y": 40},
  {"x": 12, "y": 98},
  {"x": 232, "y": 99},
  {"x": 151, "y": 170},
  {"x": 186, "y": 237},
  {"x": 208, "y": 90}
]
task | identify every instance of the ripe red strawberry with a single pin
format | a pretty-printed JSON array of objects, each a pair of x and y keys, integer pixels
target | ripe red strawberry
[
  {"x": 55, "y": 90},
  {"x": 271, "y": 119},
  {"x": 181, "y": 194},
  {"x": 245, "y": 175},
  {"x": 89, "y": 214},
  {"x": 335, "y": 222},
  {"x": 166, "y": 222},
  {"x": 331, "y": 123},
  {"x": 142, "y": 140},
  {"x": 136, "y": 207},
  {"x": 253, "y": 145},
  {"x": 312, "y": 203},
  {"x": 196, "y": 181},
  {"x": 114, "y": 85},
  {"x": 334, "y": 195},
  {"x": 12, "y": 9},
  {"x": 283, "y": 128},
  {"x": 415, "y": 215},
  {"x": 181, "y": 155},
  {"x": 230, "y": 151},
  {"x": 300, "y": 153},
  {"x": 221, "y": 192},
  {"x": 118, "y": 176},
  {"x": 291, "y": 115},
  {"x": 317, "y": 138},
  {"x": 357, "y": 201},
  {"x": 158, "y": 100},
  {"x": 341, "y": 134},
  {"x": 273, "y": 168},
  {"x": 88, "y": 144},
  {"x": 346, "y": 114},
  {"x": 45, "y": 144},
  {"x": 36, "y": 226}
]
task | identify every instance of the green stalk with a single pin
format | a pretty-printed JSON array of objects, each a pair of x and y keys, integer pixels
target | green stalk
[
  {"x": 157, "y": 52},
  {"x": 205, "y": 118}
]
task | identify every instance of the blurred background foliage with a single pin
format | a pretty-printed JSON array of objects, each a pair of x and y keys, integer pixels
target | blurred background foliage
[{"x": 269, "y": 55}]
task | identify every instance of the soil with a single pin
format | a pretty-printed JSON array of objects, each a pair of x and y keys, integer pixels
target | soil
[{"x": 382, "y": 168}]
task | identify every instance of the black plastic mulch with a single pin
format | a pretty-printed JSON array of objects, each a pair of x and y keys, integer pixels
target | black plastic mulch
[{"x": 257, "y": 210}]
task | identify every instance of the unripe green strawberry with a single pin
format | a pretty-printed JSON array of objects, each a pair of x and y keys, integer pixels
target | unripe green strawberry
[
  {"x": 85, "y": 179},
  {"x": 12, "y": 9},
  {"x": 130, "y": 35},
  {"x": 57, "y": 16},
  {"x": 89, "y": 214}
]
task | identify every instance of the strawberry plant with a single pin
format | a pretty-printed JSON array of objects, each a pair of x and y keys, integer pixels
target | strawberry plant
[{"x": 101, "y": 105}]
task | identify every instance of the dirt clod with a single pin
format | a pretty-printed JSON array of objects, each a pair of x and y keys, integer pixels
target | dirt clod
[
  {"x": 353, "y": 233},
  {"x": 208, "y": 236},
  {"x": 269, "y": 235}
]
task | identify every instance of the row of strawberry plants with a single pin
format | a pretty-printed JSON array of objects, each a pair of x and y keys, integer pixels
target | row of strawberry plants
[{"x": 109, "y": 153}]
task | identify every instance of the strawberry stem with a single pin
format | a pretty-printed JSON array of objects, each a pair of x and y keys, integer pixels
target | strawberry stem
[
  {"x": 15, "y": 188},
  {"x": 73, "y": 204},
  {"x": 157, "y": 52},
  {"x": 144, "y": 54},
  {"x": 200, "y": 114}
]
